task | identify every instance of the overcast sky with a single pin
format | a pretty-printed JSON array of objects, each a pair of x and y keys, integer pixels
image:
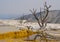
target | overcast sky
[{"x": 11, "y": 8}]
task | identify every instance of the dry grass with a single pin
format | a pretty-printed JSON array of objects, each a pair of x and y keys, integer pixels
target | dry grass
[
  {"x": 21, "y": 40},
  {"x": 18, "y": 34},
  {"x": 19, "y": 37}
]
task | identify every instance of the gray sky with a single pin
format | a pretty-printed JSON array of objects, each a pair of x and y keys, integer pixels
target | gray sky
[{"x": 18, "y": 7}]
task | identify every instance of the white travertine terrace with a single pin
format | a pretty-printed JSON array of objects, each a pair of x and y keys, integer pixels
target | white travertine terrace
[{"x": 13, "y": 25}]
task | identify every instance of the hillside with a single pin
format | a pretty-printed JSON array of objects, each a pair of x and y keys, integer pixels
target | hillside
[{"x": 53, "y": 17}]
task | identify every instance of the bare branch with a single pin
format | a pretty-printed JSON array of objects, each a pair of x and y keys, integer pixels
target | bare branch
[
  {"x": 34, "y": 14},
  {"x": 46, "y": 10}
]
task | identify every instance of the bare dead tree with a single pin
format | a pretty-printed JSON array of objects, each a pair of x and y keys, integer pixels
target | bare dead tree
[{"x": 42, "y": 21}]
